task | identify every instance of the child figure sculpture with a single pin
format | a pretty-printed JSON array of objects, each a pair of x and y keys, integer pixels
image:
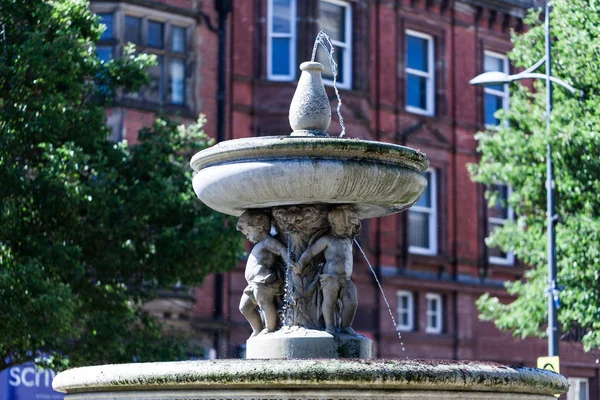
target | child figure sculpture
[
  {"x": 335, "y": 279},
  {"x": 263, "y": 272}
]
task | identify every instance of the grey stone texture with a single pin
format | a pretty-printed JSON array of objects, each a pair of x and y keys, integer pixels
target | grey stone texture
[
  {"x": 310, "y": 112},
  {"x": 301, "y": 343},
  {"x": 309, "y": 379}
]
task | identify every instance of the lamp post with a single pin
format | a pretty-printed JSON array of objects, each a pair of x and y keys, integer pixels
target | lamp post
[{"x": 495, "y": 78}]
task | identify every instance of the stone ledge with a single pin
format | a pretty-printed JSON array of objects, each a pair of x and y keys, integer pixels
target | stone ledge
[{"x": 306, "y": 375}]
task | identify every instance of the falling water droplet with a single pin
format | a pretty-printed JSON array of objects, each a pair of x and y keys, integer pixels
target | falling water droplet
[{"x": 382, "y": 293}]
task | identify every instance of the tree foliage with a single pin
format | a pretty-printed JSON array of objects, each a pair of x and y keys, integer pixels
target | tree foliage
[
  {"x": 515, "y": 153},
  {"x": 89, "y": 229}
]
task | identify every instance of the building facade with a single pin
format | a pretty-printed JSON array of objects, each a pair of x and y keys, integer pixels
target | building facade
[{"x": 403, "y": 73}]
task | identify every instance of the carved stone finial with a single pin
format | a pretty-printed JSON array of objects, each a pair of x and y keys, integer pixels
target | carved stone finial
[{"x": 310, "y": 111}]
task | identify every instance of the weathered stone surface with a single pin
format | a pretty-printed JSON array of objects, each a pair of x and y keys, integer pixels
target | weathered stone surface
[
  {"x": 377, "y": 178},
  {"x": 310, "y": 112},
  {"x": 301, "y": 343},
  {"x": 310, "y": 379}
]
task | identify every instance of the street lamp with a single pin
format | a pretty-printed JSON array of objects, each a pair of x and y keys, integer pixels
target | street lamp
[{"x": 495, "y": 78}]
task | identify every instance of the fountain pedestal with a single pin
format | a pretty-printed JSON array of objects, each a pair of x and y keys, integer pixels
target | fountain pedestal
[{"x": 301, "y": 343}]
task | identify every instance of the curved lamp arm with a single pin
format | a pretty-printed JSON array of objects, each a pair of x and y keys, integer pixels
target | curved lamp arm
[{"x": 524, "y": 75}]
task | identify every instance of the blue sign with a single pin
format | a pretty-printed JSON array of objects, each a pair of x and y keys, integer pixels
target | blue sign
[{"x": 25, "y": 382}]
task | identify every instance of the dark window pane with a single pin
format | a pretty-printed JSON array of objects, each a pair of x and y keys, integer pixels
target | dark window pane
[
  {"x": 281, "y": 16},
  {"x": 434, "y": 321},
  {"x": 105, "y": 53},
  {"x": 425, "y": 200},
  {"x": 332, "y": 19},
  {"x": 338, "y": 57},
  {"x": 583, "y": 390},
  {"x": 418, "y": 224},
  {"x": 492, "y": 104},
  {"x": 495, "y": 251},
  {"x": 416, "y": 91},
  {"x": 178, "y": 39},
  {"x": 280, "y": 51},
  {"x": 133, "y": 30},
  {"x": 416, "y": 53},
  {"x": 404, "y": 302},
  {"x": 155, "y": 34},
  {"x": 106, "y": 20},
  {"x": 500, "y": 208},
  {"x": 404, "y": 320},
  {"x": 177, "y": 81},
  {"x": 155, "y": 91}
]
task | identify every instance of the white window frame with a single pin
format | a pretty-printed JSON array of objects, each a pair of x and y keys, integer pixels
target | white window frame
[
  {"x": 346, "y": 82},
  {"x": 438, "y": 298},
  {"x": 410, "y": 310},
  {"x": 505, "y": 93},
  {"x": 432, "y": 211},
  {"x": 271, "y": 35},
  {"x": 510, "y": 256},
  {"x": 575, "y": 388},
  {"x": 430, "y": 76}
]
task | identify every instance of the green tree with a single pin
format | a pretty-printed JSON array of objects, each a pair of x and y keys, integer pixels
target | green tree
[
  {"x": 515, "y": 153},
  {"x": 89, "y": 229}
]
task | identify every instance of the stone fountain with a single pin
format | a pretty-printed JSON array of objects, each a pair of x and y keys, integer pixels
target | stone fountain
[{"x": 300, "y": 199}]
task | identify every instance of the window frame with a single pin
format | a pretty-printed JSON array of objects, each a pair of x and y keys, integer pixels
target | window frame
[
  {"x": 505, "y": 93},
  {"x": 509, "y": 260},
  {"x": 292, "y": 36},
  {"x": 433, "y": 217},
  {"x": 410, "y": 310},
  {"x": 430, "y": 76},
  {"x": 438, "y": 298},
  {"x": 576, "y": 382},
  {"x": 346, "y": 82}
]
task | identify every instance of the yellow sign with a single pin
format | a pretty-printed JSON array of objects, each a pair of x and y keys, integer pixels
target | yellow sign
[{"x": 551, "y": 363}]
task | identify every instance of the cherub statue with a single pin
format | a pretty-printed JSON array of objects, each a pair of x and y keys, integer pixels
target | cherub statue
[
  {"x": 335, "y": 279},
  {"x": 263, "y": 272}
]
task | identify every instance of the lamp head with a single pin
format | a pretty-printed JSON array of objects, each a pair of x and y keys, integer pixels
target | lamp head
[{"x": 491, "y": 78}]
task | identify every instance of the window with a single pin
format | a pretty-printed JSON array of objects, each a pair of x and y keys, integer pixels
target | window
[
  {"x": 335, "y": 18},
  {"x": 422, "y": 219},
  {"x": 281, "y": 41},
  {"x": 107, "y": 21},
  {"x": 155, "y": 34},
  {"x": 498, "y": 214},
  {"x": 168, "y": 76},
  {"x": 419, "y": 73},
  {"x": 103, "y": 49},
  {"x": 578, "y": 389},
  {"x": 178, "y": 34},
  {"x": 433, "y": 313},
  {"x": 496, "y": 96},
  {"x": 133, "y": 29},
  {"x": 406, "y": 311},
  {"x": 164, "y": 34}
]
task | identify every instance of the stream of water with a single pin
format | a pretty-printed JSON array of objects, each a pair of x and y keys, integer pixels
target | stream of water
[
  {"x": 324, "y": 40},
  {"x": 382, "y": 294}
]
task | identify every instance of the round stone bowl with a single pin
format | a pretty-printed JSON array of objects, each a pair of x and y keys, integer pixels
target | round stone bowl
[
  {"x": 309, "y": 379},
  {"x": 377, "y": 178}
]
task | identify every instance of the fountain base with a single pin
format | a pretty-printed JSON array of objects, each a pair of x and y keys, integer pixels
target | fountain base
[
  {"x": 309, "y": 379},
  {"x": 297, "y": 342}
]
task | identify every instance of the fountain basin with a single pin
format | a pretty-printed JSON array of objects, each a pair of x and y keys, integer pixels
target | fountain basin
[
  {"x": 376, "y": 178},
  {"x": 309, "y": 379}
]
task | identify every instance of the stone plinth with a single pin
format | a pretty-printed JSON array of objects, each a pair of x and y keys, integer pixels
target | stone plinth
[
  {"x": 309, "y": 379},
  {"x": 298, "y": 343}
]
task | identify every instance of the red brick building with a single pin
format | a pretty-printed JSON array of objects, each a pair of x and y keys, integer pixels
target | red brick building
[{"x": 404, "y": 72}]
